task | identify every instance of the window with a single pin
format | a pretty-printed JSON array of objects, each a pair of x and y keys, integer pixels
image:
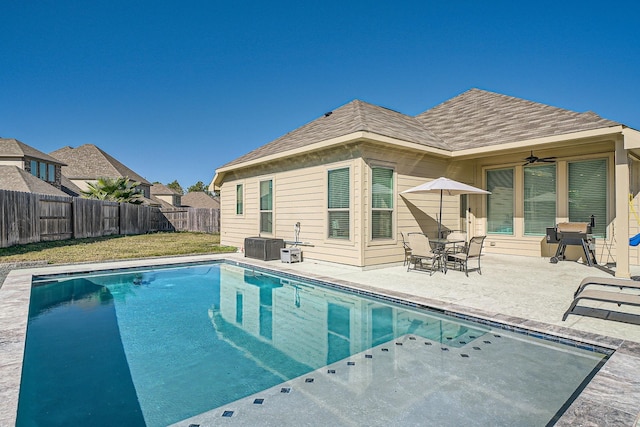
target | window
[
  {"x": 338, "y": 203},
  {"x": 52, "y": 173},
  {"x": 34, "y": 168},
  {"x": 43, "y": 171},
  {"x": 239, "y": 200},
  {"x": 588, "y": 193},
  {"x": 266, "y": 206},
  {"x": 500, "y": 201},
  {"x": 539, "y": 199},
  {"x": 381, "y": 203}
]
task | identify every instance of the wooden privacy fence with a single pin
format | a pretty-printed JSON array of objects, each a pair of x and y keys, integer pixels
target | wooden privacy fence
[{"x": 28, "y": 218}]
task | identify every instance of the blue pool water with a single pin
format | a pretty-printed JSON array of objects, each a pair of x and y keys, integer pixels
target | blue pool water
[{"x": 153, "y": 347}]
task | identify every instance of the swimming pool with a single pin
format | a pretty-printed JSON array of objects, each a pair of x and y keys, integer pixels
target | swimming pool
[{"x": 159, "y": 346}]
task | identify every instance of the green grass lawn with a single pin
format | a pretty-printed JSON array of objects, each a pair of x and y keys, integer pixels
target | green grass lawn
[{"x": 115, "y": 247}]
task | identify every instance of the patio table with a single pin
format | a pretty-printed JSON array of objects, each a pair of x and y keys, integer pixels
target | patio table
[{"x": 439, "y": 248}]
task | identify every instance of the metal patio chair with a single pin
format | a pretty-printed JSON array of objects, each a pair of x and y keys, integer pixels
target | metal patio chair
[
  {"x": 473, "y": 251},
  {"x": 421, "y": 251}
]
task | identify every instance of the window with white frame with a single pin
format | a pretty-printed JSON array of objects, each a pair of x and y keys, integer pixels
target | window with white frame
[
  {"x": 266, "y": 206},
  {"x": 338, "y": 203},
  {"x": 500, "y": 202},
  {"x": 381, "y": 203},
  {"x": 539, "y": 199},
  {"x": 239, "y": 199},
  {"x": 588, "y": 193}
]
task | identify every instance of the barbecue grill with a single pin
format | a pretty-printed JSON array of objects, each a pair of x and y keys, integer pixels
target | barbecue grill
[{"x": 573, "y": 234}]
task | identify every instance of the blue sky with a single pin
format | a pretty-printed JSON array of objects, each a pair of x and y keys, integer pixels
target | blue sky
[{"x": 176, "y": 89}]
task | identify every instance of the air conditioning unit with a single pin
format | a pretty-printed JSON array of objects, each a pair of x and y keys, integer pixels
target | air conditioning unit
[{"x": 263, "y": 248}]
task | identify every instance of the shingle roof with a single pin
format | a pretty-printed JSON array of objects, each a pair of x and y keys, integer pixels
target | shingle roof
[
  {"x": 155, "y": 201},
  {"x": 69, "y": 187},
  {"x": 90, "y": 162},
  {"x": 10, "y": 147},
  {"x": 356, "y": 116},
  {"x": 162, "y": 190},
  {"x": 15, "y": 179},
  {"x": 477, "y": 118},
  {"x": 200, "y": 199}
]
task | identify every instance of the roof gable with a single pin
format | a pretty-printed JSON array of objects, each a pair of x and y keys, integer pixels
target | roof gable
[
  {"x": 159, "y": 189},
  {"x": 10, "y": 147},
  {"x": 479, "y": 118},
  {"x": 90, "y": 162},
  {"x": 356, "y": 116},
  {"x": 200, "y": 199},
  {"x": 15, "y": 179}
]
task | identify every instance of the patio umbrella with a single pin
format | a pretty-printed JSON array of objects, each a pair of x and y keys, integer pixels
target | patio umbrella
[{"x": 445, "y": 186}]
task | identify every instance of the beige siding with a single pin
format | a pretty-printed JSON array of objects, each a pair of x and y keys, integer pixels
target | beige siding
[{"x": 300, "y": 195}]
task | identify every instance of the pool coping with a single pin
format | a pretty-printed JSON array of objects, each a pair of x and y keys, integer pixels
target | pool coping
[{"x": 610, "y": 397}]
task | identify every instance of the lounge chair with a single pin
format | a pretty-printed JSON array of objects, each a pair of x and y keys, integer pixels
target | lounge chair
[
  {"x": 421, "y": 251},
  {"x": 473, "y": 251},
  {"x": 607, "y": 281},
  {"x": 605, "y": 296}
]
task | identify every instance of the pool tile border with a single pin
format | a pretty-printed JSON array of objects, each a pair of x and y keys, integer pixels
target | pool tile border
[{"x": 598, "y": 403}]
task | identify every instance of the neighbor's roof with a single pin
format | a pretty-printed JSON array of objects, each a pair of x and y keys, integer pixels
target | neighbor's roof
[
  {"x": 478, "y": 118},
  {"x": 69, "y": 187},
  {"x": 155, "y": 201},
  {"x": 356, "y": 116},
  {"x": 15, "y": 179},
  {"x": 90, "y": 162},
  {"x": 162, "y": 190},
  {"x": 200, "y": 199},
  {"x": 10, "y": 147}
]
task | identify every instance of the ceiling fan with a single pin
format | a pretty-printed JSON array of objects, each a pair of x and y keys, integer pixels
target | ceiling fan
[{"x": 535, "y": 159}]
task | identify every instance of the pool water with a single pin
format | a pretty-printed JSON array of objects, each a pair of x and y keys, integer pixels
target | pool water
[{"x": 154, "y": 347}]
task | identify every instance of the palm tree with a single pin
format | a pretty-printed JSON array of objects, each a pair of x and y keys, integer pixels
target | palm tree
[{"x": 114, "y": 189}]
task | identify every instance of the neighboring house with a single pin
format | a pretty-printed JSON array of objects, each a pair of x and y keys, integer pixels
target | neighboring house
[
  {"x": 341, "y": 177},
  {"x": 16, "y": 179},
  {"x": 30, "y": 160},
  {"x": 200, "y": 199},
  {"x": 87, "y": 163},
  {"x": 170, "y": 197}
]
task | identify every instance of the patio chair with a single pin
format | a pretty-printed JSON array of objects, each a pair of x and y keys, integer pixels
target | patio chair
[
  {"x": 407, "y": 249},
  {"x": 421, "y": 251},
  {"x": 473, "y": 251}
]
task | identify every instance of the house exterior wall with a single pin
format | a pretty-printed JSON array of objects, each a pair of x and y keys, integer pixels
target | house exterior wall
[
  {"x": 299, "y": 195},
  {"x": 12, "y": 161}
]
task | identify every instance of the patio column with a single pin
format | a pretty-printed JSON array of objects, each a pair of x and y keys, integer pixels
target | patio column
[{"x": 622, "y": 209}]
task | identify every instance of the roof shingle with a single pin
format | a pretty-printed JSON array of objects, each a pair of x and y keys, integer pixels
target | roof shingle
[
  {"x": 15, "y": 179},
  {"x": 10, "y": 147},
  {"x": 356, "y": 116},
  {"x": 478, "y": 118},
  {"x": 90, "y": 162}
]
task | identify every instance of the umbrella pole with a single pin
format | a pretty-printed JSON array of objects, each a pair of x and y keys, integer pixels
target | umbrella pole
[{"x": 440, "y": 220}]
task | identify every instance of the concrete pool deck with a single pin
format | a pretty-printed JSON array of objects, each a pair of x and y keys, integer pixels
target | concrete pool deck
[{"x": 522, "y": 292}]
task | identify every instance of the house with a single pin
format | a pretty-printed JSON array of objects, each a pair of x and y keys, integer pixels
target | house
[
  {"x": 200, "y": 199},
  {"x": 30, "y": 161},
  {"x": 165, "y": 196},
  {"x": 87, "y": 163},
  {"x": 341, "y": 177}
]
